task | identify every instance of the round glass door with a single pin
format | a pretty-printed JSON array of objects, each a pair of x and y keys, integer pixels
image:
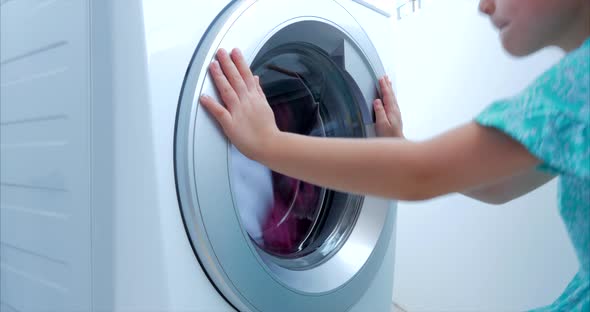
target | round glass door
[{"x": 297, "y": 223}]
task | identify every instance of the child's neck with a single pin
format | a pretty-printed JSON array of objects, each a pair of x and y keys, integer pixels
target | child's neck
[{"x": 576, "y": 32}]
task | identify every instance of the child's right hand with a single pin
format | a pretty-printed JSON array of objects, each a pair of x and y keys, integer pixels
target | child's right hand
[{"x": 388, "y": 118}]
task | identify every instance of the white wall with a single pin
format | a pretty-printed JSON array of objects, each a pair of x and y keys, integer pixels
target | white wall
[{"x": 454, "y": 253}]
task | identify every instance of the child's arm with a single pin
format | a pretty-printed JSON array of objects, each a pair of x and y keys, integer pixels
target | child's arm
[
  {"x": 461, "y": 159},
  {"x": 505, "y": 190},
  {"x": 388, "y": 123},
  {"x": 458, "y": 160}
]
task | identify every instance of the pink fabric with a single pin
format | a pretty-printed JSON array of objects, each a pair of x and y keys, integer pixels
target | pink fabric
[{"x": 286, "y": 237}]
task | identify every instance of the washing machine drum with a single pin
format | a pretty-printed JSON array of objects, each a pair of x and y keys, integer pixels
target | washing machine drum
[{"x": 260, "y": 234}]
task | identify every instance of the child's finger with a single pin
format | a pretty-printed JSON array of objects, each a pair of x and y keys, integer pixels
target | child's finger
[
  {"x": 380, "y": 115},
  {"x": 390, "y": 86},
  {"x": 388, "y": 97},
  {"x": 231, "y": 72},
  {"x": 243, "y": 68},
  {"x": 228, "y": 95},
  {"x": 258, "y": 87},
  {"x": 220, "y": 113}
]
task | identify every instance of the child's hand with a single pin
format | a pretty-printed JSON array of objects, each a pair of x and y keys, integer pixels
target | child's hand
[
  {"x": 246, "y": 119},
  {"x": 388, "y": 119}
]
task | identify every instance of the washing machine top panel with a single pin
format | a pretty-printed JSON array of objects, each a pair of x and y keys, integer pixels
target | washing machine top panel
[{"x": 267, "y": 241}]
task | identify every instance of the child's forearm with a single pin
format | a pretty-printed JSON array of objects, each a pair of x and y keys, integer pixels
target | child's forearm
[{"x": 384, "y": 167}]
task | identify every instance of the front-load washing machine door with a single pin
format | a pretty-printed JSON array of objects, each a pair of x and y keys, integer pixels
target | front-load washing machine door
[{"x": 269, "y": 242}]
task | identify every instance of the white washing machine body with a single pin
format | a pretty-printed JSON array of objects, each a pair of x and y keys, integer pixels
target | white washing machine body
[{"x": 121, "y": 194}]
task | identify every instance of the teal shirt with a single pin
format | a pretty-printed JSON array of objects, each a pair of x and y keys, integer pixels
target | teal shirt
[{"x": 551, "y": 118}]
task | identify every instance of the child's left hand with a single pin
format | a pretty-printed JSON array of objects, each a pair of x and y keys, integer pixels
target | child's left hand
[
  {"x": 388, "y": 118},
  {"x": 246, "y": 118}
]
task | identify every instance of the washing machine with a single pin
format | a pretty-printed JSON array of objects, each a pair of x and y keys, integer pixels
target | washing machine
[{"x": 120, "y": 193}]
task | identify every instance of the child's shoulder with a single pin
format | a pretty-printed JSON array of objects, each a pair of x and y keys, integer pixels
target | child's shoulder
[
  {"x": 550, "y": 116},
  {"x": 578, "y": 56},
  {"x": 574, "y": 65},
  {"x": 567, "y": 83}
]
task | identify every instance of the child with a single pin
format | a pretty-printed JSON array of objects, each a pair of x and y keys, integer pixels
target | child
[{"x": 516, "y": 144}]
